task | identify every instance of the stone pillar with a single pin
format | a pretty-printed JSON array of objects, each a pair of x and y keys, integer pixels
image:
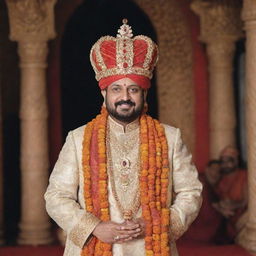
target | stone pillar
[
  {"x": 32, "y": 25},
  {"x": 247, "y": 237},
  {"x": 1, "y": 176},
  {"x": 220, "y": 29}
]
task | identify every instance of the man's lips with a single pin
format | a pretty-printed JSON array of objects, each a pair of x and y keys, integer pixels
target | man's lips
[
  {"x": 125, "y": 103},
  {"x": 124, "y": 107}
]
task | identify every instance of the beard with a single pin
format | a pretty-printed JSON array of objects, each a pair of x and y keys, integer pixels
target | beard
[{"x": 125, "y": 117}]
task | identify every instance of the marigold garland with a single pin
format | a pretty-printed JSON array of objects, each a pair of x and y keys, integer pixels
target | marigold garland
[{"x": 153, "y": 180}]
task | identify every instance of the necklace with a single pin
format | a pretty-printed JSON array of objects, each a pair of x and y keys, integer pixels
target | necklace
[{"x": 123, "y": 174}]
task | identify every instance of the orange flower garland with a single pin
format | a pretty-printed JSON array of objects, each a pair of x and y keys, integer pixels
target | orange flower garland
[
  {"x": 154, "y": 182},
  {"x": 96, "y": 128}
]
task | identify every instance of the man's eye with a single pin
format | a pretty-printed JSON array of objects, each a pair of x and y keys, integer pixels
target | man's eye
[
  {"x": 134, "y": 90},
  {"x": 115, "y": 89}
]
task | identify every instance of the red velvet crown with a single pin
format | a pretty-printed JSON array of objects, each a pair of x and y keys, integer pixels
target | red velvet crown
[{"x": 113, "y": 58}]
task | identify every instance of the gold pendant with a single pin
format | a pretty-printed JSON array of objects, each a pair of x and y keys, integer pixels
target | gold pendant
[{"x": 128, "y": 215}]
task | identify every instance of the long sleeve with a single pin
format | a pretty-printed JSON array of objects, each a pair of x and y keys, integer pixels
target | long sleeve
[
  {"x": 62, "y": 197},
  {"x": 186, "y": 186}
]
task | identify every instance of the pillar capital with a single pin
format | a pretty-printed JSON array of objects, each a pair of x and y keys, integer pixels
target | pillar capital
[
  {"x": 249, "y": 10},
  {"x": 249, "y": 15},
  {"x": 31, "y": 20},
  {"x": 219, "y": 20}
]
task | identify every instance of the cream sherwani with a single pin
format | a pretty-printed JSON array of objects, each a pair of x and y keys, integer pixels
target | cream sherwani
[{"x": 65, "y": 196}]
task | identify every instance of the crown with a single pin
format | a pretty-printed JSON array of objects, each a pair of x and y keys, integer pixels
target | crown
[{"x": 124, "y": 54}]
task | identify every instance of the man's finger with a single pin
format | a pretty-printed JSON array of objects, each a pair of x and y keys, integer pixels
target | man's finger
[
  {"x": 126, "y": 239},
  {"x": 136, "y": 235},
  {"x": 130, "y": 232},
  {"x": 128, "y": 227},
  {"x": 121, "y": 238}
]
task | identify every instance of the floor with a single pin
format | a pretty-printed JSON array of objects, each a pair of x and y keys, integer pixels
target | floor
[{"x": 185, "y": 249}]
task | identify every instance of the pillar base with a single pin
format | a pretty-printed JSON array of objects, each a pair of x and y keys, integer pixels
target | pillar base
[
  {"x": 247, "y": 238},
  {"x": 37, "y": 235}
]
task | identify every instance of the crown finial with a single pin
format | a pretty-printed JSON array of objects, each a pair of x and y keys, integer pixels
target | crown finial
[{"x": 125, "y": 30}]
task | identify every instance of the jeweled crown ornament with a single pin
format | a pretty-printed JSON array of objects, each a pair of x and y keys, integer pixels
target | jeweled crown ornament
[
  {"x": 123, "y": 55},
  {"x": 125, "y": 30}
]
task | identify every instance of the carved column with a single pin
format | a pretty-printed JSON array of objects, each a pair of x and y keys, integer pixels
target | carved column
[
  {"x": 220, "y": 29},
  {"x": 32, "y": 25},
  {"x": 247, "y": 238},
  {"x": 1, "y": 175}
]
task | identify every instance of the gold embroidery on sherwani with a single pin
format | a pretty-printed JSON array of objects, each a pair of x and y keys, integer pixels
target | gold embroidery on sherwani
[
  {"x": 123, "y": 166},
  {"x": 176, "y": 227},
  {"x": 85, "y": 226}
]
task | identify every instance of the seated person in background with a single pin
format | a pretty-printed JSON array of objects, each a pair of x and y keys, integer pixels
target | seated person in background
[
  {"x": 230, "y": 186},
  {"x": 212, "y": 172}
]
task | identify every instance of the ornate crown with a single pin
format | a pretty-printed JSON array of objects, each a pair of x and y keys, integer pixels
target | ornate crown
[{"x": 124, "y": 55}]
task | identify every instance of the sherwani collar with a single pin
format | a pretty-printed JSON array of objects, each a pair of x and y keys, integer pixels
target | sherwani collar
[{"x": 119, "y": 128}]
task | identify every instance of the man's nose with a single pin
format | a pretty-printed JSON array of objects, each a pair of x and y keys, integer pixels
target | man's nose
[{"x": 125, "y": 95}]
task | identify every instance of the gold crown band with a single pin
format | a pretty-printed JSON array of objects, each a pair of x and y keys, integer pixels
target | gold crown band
[{"x": 123, "y": 71}]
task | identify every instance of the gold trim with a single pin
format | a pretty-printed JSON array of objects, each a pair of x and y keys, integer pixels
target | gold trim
[
  {"x": 94, "y": 49},
  {"x": 123, "y": 71},
  {"x": 83, "y": 229},
  {"x": 150, "y": 50},
  {"x": 124, "y": 57},
  {"x": 129, "y": 53},
  {"x": 99, "y": 57},
  {"x": 176, "y": 227},
  {"x": 119, "y": 49}
]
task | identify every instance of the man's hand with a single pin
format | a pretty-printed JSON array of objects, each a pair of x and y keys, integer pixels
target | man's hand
[
  {"x": 141, "y": 222},
  {"x": 111, "y": 232}
]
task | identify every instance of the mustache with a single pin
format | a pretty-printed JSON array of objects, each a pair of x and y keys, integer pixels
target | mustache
[{"x": 129, "y": 102}]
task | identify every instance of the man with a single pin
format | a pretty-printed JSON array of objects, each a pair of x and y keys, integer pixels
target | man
[
  {"x": 231, "y": 190},
  {"x": 124, "y": 184}
]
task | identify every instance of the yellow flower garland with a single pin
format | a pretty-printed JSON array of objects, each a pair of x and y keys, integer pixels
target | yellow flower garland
[{"x": 154, "y": 180}]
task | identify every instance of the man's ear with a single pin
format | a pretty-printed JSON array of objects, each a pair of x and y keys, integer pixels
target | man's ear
[{"x": 103, "y": 93}]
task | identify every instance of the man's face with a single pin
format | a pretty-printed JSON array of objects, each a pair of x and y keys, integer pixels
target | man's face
[
  {"x": 228, "y": 164},
  {"x": 124, "y": 100}
]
